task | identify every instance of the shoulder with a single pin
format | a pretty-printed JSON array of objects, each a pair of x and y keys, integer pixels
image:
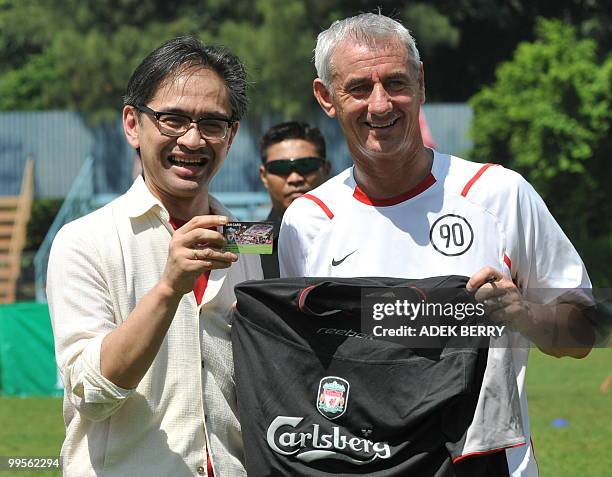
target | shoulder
[
  {"x": 488, "y": 185},
  {"x": 90, "y": 232},
  {"x": 320, "y": 205}
]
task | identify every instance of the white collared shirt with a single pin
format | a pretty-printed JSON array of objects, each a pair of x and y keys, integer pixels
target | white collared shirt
[{"x": 100, "y": 266}]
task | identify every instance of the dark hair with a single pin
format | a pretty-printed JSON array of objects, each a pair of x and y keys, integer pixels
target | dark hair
[
  {"x": 292, "y": 130},
  {"x": 186, "y": 51}
]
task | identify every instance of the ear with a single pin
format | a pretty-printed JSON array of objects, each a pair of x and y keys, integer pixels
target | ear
[
  {"x": 131, "y": 126},
  {"x": 326, "y": 168},
  {"x": 323, "y": 97},
  {"x": 263, "y": 176},
  {"x": 232, "y": 133},
  {"x": 422, "y": 82}
]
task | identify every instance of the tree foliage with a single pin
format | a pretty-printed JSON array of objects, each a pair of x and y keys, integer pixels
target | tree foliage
[
  {"x": 548, "y": 116},
  {"x": 78, "y": 54}
]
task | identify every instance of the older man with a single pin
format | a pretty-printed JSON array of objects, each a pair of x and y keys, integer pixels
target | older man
[
  {"x": 140, "y": 291},
  {"x": 293, "y": 163},
  {"x": 404, "y": 210}
]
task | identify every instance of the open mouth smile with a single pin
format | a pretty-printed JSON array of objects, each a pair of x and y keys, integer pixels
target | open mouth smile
[
  {"x": 388, "y": 124},
  {"x": 187, "y": 162}
]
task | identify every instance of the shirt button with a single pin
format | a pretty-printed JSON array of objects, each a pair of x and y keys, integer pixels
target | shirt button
[{"x": 201, "y": 470}]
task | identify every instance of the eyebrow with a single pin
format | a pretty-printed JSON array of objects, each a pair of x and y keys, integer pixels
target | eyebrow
[
  {"x": 368, "y": 80},
  {"x": 398, "y": 75},
  {"x": 182, "y": 112}
]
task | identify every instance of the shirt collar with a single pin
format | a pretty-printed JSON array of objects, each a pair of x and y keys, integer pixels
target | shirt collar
[{"x": 140, "y": 201}]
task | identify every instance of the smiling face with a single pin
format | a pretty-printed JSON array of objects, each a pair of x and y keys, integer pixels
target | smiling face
[
  {"x": 376, "y": 98},
  {"x": 178, "y": 170}
]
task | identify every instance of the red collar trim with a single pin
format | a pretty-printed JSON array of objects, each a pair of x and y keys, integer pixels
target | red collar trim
[{"x": 425, "y": 184}]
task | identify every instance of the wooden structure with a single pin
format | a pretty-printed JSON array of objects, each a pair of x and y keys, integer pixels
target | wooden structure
[{"x": 14, "y": 216}]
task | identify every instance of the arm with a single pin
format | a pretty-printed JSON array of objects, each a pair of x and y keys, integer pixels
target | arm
[
  {"x": 100, "y": 361},
  {"x": 128, "y": 351},
  {"x": 559, "y": 329}
]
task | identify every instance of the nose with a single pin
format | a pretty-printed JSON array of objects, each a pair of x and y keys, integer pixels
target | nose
[
  {"x": 192, "y": 139},
  {"x": 295, "y": 178},
  {"x": 379, "y": 101}
]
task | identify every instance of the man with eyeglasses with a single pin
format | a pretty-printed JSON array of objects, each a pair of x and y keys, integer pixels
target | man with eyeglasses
[
  {"x": 293, "y": 163},
  {"x": 141, "y": 292}
]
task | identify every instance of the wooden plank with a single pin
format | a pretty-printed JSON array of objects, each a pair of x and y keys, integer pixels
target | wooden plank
[
  {"x": 13, "y": 233},
  {"x": 6, "y": 258},
  {"x": 7, "y": 216},
  {"x": 6, "y": 230},
  {"x": 9, "y": 201}
]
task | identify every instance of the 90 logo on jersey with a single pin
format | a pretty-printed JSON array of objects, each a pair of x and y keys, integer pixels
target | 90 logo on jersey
[{"x": 451, "y": 235}]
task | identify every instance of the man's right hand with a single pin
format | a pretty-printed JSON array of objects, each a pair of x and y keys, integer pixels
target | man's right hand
[{"x": 195, "y": 249}]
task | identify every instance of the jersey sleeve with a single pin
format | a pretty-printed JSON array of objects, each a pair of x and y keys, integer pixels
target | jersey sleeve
[
  {"x": 302, "y": 223},
  {"x": 542, "y": 255},
  {"x": 291, "y": 250}
]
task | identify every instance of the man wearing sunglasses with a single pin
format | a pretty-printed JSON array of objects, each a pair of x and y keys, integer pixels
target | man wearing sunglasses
[
  {"x": 293, "y": 163},
  {"x": 141, "y": 291}
]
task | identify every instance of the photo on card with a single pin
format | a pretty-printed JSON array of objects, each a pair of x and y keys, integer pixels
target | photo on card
[{"x": 249, "y": 237}]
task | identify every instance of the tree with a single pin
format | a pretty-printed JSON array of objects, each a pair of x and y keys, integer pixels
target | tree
[
  {"x": 548, "y": 116},
  {"x": 276, "y": 49},
  {"x": 78, "y": 54}
]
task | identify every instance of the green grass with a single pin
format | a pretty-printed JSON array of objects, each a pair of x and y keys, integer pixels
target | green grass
[
  {"x": 31, "y": 427},
  {"x": 240, "y": 248},
  {"x": 564, "y": 388},
  {"x": 569, "y": 389}
]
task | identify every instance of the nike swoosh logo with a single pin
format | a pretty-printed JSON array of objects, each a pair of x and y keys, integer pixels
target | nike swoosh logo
[{"x": 336, "y": 263}]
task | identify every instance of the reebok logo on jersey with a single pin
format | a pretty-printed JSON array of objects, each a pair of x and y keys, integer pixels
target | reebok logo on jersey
[{"x": 335, "y": 262}]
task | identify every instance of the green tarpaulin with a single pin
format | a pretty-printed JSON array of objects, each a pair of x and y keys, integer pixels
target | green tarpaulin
[{"x": 27, "y": 358}]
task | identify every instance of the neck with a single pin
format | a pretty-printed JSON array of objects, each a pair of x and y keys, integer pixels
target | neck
[
  {"x": 389, "y": 178},
  {"x": 278, "y": 211},
  {"x": 184, "y": 208}
]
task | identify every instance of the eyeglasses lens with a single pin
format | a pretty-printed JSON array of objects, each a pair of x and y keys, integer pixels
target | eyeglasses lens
[{"x": 304, "y": 165}]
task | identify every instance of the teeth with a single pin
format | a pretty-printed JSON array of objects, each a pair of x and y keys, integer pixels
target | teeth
[
  {"x": 186, "y": 162},
  {"x": 380, "y": 126}
]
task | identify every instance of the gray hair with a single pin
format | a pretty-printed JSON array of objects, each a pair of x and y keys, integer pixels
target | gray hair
[{"x": 365, "y": 29}]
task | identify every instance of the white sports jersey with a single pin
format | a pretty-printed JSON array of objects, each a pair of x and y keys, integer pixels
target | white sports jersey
[{"x": 462, "y": 217}]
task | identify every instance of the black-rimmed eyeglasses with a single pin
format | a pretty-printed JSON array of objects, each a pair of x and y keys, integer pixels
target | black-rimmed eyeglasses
[{"x": 175, "y": 124}]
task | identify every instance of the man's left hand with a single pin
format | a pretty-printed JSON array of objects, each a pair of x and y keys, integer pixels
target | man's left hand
[{"x": 502, "y": 299}]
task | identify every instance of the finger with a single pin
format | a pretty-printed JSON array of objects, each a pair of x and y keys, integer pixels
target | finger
[
  {"x": 483, "y": 276},
  {"x": 492, "y": 304},
  {"x": 204, "y": 222},
  {"x": 489, "y": 290},
  {"x": 205, "y": 265},
  {"x": 208, "y": 254},
  {"x": 203, "y": 238}
]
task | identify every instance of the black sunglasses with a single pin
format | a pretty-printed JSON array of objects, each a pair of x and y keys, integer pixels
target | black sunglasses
[{"x": 303, "y": 165}]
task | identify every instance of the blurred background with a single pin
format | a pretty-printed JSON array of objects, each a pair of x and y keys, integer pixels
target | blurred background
[{"x": 523, "y": 83}]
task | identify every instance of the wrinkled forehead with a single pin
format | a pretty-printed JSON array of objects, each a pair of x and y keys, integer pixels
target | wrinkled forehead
[{"x": 354, "y": 52}]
